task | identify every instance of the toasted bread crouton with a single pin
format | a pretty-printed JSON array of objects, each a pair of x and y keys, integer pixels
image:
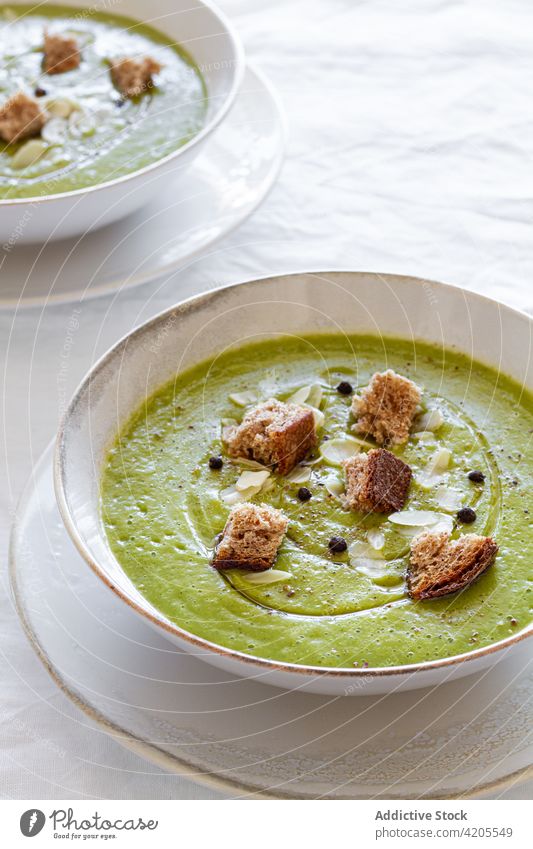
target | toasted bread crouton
[
  {"x": 385, "y": 409},
  {"x": 20, "y": 117},
  {"x": 61, "y": 54},
  {"x": 438, "y": 566},
  {"x": 132, "y": 76},
  {"x": 251, "y": 538},
  {"x": 376, "y": 482},
  {"x": 275, "y": 434}
]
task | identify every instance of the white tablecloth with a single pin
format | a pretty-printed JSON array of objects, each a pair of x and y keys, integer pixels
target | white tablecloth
[{"x": 410, "y": 150}]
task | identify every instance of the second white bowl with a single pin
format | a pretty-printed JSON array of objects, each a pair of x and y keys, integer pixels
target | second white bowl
[{"x": 216, "y": 49}]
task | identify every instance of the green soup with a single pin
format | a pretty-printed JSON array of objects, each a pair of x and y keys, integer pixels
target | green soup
[
  {"x": 106, "y": 136},
  {"x": 162, "y": 508}
]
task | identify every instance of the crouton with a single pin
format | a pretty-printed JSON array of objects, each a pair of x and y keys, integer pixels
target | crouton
[
  {"x": 274, "y": 433},
  {"x": 438, "y": 566},
  {"x": 132, "y": 77},
  {"x": 20, "y": 117},
  {"x": 385, "y": 409},
  {"x": 61, "y": 54},
  {"x": 376, "y": 482},
  {"x": 251, "y": 538}
]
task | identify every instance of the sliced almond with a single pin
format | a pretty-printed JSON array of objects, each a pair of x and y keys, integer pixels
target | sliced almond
[
  {"x": 362, "y": 550},
  {"x": 62, "y": 107},
  {"x": 425, "y": 436},
  {"x": 231, "y": 495},
  {"x": 440, "y": 461},
  {"x": 54, "y": 131},
  {"x": 335, "y": 451},
  {"x": 414, "y": 518},
  {"x": 227, "y": 432},
  {"x": 28, "y": 154},
  {"x": 300, "y": 474},
  {"x": 430, "y": 421},
  {"x": 448, "y": 498},
  {"x": 243, "y": 399},
  {"x": 270, "y": 576},
  {"x": 310, "y": 395},
  {"x": 300, "y": 396},
  {"x": 370, "y": 566},
  {"x": 435, "y": 468},
  {"x": 314, "y": 398},
  {"x": 248, "y": 484},
  {"x": 443, "y": 523},
  {"x": 318, "y": 416},
  {"x": 376, "y": 538},
  {"x": 334, "y": 486},
  {"x": 248, "y": 480}
]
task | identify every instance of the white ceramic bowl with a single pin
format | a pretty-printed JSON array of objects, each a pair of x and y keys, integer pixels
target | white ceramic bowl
[
  {"x": 213, "y": 44},
  {"x": 198, "y": 328}
]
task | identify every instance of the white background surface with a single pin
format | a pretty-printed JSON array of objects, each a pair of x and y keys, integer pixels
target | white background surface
[{"x": 410, "y": 150}]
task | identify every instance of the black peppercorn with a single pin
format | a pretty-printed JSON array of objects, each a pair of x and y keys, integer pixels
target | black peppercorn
[
  {"x": 304, "y": 494},
  {"x": 40, "y": 92},
  {"x": 466, "y": 515},
  {"x": 337, "y": 545},
  {"x": 215, "y": 463},
  {"x": 345, "y": 388},
  {"x": 476, "y": 477}
]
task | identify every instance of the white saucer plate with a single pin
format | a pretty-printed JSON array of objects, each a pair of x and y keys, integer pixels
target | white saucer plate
[
  {"x": 460, "y": 739},
  {"x": 223, "y": 187}
]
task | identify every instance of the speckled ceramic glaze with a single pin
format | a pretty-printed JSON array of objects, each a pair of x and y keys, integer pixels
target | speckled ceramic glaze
[{"x": 352, "y": 302}]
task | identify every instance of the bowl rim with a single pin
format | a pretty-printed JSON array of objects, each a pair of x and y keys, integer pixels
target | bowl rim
[
  {"x": 238, "y": 67},
  {"x": 262, "y": 664}
]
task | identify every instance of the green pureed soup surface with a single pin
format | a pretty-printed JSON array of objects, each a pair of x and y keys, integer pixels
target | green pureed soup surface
[
  {"x": 162, "y": 508},
  {"x": 106, "y": 136}
]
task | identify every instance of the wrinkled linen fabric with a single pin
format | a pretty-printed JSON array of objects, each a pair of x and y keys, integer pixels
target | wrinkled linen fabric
[{"x": 410, "y": 150}]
